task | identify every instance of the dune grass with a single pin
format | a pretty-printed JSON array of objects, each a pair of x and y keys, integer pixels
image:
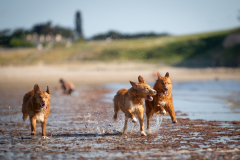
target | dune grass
[{"x": 200, "y": 49}]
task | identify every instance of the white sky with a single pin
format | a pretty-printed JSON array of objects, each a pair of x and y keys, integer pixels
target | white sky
[{"x": 126, "y": 16}]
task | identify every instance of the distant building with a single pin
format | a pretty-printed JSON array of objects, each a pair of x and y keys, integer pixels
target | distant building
[{"x": 35, "y": 38}]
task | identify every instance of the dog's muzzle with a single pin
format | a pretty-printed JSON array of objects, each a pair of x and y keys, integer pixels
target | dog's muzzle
[
  {"x": 150, "y": 98},
  {"x": 43, "y": 106},
  {"x": 165, "y": 91}
]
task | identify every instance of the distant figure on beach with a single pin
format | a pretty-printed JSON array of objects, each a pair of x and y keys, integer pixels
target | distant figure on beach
[{"x": 68, "y": 87}]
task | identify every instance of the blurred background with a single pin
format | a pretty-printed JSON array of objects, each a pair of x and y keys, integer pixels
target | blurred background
[
  {"x": 98, "y": 46},
  {"x": 173, "y": 33}
]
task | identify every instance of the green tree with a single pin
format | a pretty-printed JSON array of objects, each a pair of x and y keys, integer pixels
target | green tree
[{"x": 79, "y": 25}]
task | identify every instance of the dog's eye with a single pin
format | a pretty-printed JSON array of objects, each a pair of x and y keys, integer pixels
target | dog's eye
[
  {"x": 162, "y": 83},
  {"x": 168, "y": 83}
]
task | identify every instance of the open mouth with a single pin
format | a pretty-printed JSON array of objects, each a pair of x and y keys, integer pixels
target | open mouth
[
  {"x": 150, "y": 98},
  {"x": 165, "y": 92},
  {"x": 43, "y": 106}
]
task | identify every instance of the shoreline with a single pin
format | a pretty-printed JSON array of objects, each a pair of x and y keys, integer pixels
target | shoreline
[{"x": 103, "y": 73}]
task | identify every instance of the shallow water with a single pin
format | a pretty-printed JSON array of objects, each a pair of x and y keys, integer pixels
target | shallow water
[{"x": 206, "y": 100}]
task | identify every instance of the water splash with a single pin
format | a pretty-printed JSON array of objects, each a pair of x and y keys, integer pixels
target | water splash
[
  {"x": 133, "y": 126},
  {"x": 98, "y": 131},
  {"x": 76, "y": 93},
  {"x": 155, "y": 128},
  {"x": 161, "y": 121},
  {"x": 103, "y": 131}
]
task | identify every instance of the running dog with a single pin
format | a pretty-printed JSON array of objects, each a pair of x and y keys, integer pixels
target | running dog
[
  {"x": 68, "y": 87},
  {"x": 130, "y": 101},
  {"x": 36, "y": 105},
  {"x": 162, "y": 102}
]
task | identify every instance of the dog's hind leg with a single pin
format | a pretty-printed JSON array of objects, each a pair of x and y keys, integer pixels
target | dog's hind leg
[{"x": 125, "y": 126}]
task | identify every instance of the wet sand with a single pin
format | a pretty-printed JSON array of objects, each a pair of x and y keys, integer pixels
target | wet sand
[{"x": 81, "y": 127}]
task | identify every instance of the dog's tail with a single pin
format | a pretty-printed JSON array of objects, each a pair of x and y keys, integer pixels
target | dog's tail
[
  {"x": 115, "y": 116},
  {"x": 25, "y": 104},
  {"x": 116, "y": 109},
  {"x": 25, "y": 113}
]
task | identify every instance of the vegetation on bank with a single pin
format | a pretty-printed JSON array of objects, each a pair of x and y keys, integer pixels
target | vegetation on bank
[
  {"x": 18, "y": 37},
  {"x": 200, "y": 50}
]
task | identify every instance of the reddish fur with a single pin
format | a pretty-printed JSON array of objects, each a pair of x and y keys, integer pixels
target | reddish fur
[
  {"x": 31, "y": 107},
  {"x": 66, "y": 86},
  {"x": 130, "y": 102},
  {"x": 154, "y": 106}
]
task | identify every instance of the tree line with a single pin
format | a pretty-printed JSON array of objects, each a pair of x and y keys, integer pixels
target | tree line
[
  {"x": 17, "y": 38},
  {"x": 116, "y": 35}
]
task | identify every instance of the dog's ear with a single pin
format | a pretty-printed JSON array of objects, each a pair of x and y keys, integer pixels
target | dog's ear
[
  {"x": 167, "y": 74},
  {"x": 36, "y": 88},
  {"x": 140, "y": 79},
  {"x": 48, "y": 90},
  {"x": 134, "y": 85},
  {"x": 158, "y": 74}
]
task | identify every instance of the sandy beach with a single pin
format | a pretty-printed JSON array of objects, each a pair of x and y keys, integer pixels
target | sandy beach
[
  {"x": 81, "y": 127},
  {"x": 99, "y": 73}
]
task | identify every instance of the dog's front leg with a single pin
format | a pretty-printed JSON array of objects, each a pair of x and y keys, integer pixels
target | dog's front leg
[
  {"x": 158, "y": 108},
  {"x": 170, "y": 110},
  {"x": 129, "y": 114},
  {"x": 162, "y": 110},
  {"x": 44, "y": 127},
  {"x": 33, "y": 125},
  {"x": 44, "y": 123},
  {"x": 149, "y": 114},
  {"x": 140, "y": 117}
]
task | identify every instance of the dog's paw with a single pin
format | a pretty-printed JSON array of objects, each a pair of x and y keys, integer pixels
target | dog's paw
[
  {"x": 45, "y": 137},
  {"x": 163, "y": 112},
  {"x": 33, "y": 133},
  {"x": 134, "y": 120},
  {"x": 143, "y": 133},
  {"x": 174, "y": 121}
]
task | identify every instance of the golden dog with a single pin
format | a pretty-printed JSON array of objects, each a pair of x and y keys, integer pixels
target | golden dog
[
  {"x": 36, "y": 105},
  {"x": 162, "y": 102},
  {"x": 130, "y": 101}
]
